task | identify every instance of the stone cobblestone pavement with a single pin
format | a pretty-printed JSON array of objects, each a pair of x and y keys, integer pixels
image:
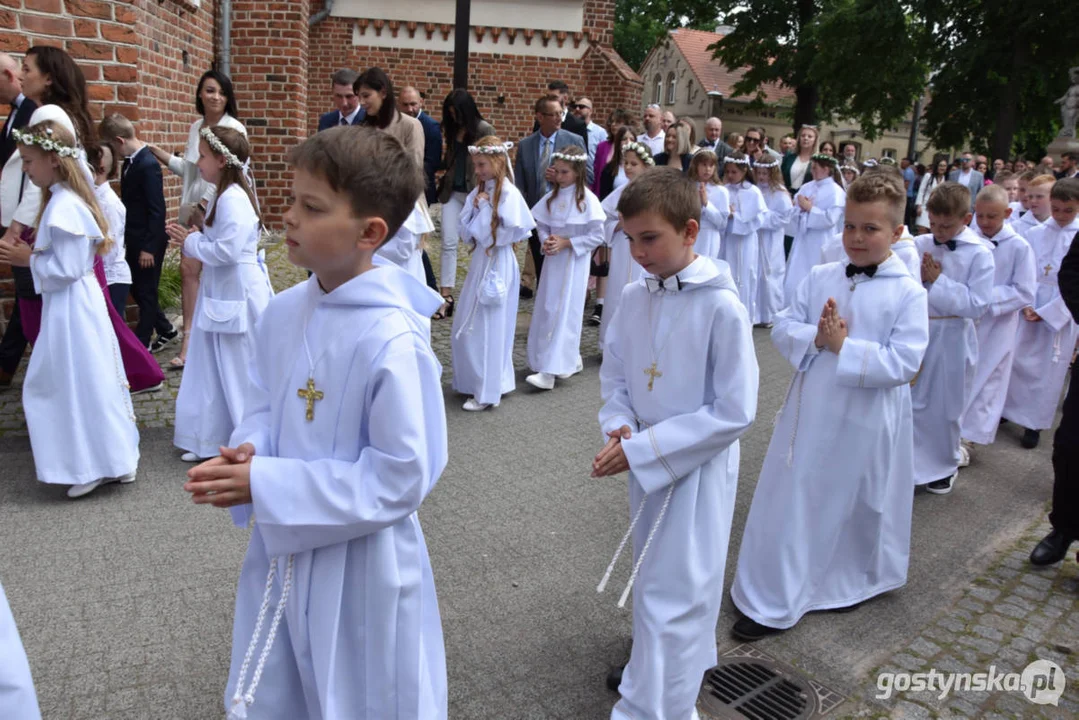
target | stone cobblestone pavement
[{"x": 127, "y": 612}]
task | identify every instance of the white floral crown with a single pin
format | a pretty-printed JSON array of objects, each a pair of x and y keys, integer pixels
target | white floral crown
[
  {"x": 568, "y": 158},
  {"x": 869, "y": 163},
  {"x": 767, "y": 163},
  {"x": 824, "y": 159},
  {"x": 503, "y": 149},
  {"x": 45, "y": 142},
  {"x": 642, "y": 152},
  {"x": 852, "y": 168},
  {"x": 738, "y": 161},
  {"x": 219, "y": 147}
]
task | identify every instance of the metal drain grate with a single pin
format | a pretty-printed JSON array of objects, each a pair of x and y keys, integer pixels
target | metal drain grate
[{"x": 750, "y": 684}]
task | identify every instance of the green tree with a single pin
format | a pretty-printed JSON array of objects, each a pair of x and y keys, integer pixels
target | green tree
[
  {"x": 639, "y": 24},
  {"x": 999, "y": 71},
  {"x": 862, "y": 60}
]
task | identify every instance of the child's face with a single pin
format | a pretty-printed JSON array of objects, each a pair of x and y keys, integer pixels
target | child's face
[
  {"x": 1063, "y": 211},
  {"x": 1023, "y": 185},
  {"x": 564, "y": 173},
  {"x": 946, "y": 227},
  {"x": 1012, "y": 186},
  {"x": 869, "y": 230},
  {"x": 632, "y": 165},
  {"x": 848, "y": 176},
  {"x": 657, "y": 246},
  {"x": 39, "y": 166},
  {"x": 209, "y": 165},
  {"x": 819, "y": 171},
  {"x": 734, "y": 173},
  {"x": 324, "y": 236},
  {"x": 1038, "y": 201},
  {"x": 705, "y": 171},
  {"x": 991, "y": 217},
  {"x": 763, "y": 176},
  {"x": 484, "y": 168}
]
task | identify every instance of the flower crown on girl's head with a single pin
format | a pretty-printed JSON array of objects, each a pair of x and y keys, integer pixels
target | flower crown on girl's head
[
  {"x": 219, "y": 147},
  {"x": 738, "y": 161},
  {"x": 45, "y": 142},
  {"x": 825, "y": 159},
  {"x": 568, "y": 158},
  {"x": 851, "y": 168},
  {"x": 641, "y": 151},
  {"x": 503, "y": 149},
  {"x": 765, "y": 163}
]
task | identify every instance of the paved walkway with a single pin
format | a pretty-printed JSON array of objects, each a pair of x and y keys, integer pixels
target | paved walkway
[{"x": 124, "y": 598}]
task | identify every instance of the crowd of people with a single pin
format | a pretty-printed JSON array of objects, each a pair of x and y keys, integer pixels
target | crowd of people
[{"x": 908, "y": 353}]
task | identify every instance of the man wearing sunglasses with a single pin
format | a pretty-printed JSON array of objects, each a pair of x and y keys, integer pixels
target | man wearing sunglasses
[{"x": 595, "y": 133}]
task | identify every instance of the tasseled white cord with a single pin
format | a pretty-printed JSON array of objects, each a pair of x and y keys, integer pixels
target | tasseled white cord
[
  {"x": 1056, "y": 348},
  {"x": 241, "y": 700},
  {"x": 797, "y": 411},
  {"x": 644, "y": 550}
]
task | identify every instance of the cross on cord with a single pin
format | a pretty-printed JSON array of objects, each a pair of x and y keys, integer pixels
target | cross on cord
[
  {"x": 310, "y": 395},
  {"x": 652, "y": 374}
]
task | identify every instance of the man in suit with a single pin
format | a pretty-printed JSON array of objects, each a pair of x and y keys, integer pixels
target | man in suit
[
  {"x": 12, "y": 182},
  {"x": 570, "y": 122},
  {"x": 409, "y": 102},
  {"x": 968, "y": 176},
  {"x": 532, "y": 169},
  {"x": 1064, "y": 517},
  {"x": 713, "y": 140},
  {"x": 348, "y": 110}
]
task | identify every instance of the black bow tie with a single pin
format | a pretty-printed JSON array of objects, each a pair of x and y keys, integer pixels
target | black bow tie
[
  {"x": 950, "y": 243},
  {"x": 655, "y": 284},
  {"x": 869, "y": 270},
  {"x": 995, "y": 242}
]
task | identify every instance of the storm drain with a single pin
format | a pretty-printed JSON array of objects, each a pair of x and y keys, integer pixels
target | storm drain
[{"x": 748, "y": 683}]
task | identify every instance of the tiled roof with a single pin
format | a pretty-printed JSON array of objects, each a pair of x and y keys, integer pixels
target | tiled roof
[{"x": 713, "y": 74}]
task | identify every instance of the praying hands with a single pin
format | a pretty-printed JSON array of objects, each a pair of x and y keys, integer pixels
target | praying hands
[
  {"x": 930, "y": 269},
  {"x": 15, "y": 252},
  {"x": 1030, "y": 316},
  {"x": 223, "y": 481},
  {"x": 831, "y": 329},
  {"x": 555, "y": 244},
  {"x": 611, "y": 460},
  {"x": 178, "y": 233},
  {"x": 805, "y": 203}
]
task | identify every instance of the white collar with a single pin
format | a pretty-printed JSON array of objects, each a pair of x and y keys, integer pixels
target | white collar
[
  {"x": 18, "y": 101},
  {"x": 351, "y": 116}
]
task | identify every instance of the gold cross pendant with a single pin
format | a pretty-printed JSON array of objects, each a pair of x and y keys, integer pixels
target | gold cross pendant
[
  {"x": 311, "y": 395},
  {"x": 1047, "y": 268},
  {"x": 652, "y": 374}
]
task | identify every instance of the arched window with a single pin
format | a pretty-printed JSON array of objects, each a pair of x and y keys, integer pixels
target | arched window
[
  {"x": 657, "y": 89},
  {"x": 672, "y": 85}
]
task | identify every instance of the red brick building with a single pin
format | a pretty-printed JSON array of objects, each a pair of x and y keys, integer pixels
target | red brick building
[{"x": 144, "y": 57}]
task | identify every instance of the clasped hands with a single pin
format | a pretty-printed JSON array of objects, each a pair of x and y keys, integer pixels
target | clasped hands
[
  {"x": 555, "y": 244},
  {"x": 930, "y": 269},
  {"x": 805, "y": 203},
  {"x": 1030, "y": 316},
  {"x": 611, "y": 460},
  {"x": 178, "y": 233},
  {"x": 831, "y": 329},
  {"x": 14, "y": 251},
  {"x": 224, "y": 481}
]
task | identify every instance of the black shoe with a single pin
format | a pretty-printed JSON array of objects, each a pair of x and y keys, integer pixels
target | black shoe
[
  {"x": 847, "y": 609},
  {"x": 1051, "y": 549},
  {"x": 942, "y": 486},
  {"x": 614, "y": 677},
  {"x": 526, "y": 293},
  {"x": 751, "y": 630},
  {"x": 164, "y": 340},
  {"x": 597, "y": 314},
  {"x": 1030, "y": 438}
]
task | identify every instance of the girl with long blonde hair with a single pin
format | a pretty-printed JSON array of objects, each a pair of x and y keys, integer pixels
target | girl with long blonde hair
[
  {"x": 494, "y": 217},
  {"x": 75, "y": 396}
]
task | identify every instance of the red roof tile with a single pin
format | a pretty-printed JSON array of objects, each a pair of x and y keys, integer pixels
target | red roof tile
[{"x": 713, "y": 74}]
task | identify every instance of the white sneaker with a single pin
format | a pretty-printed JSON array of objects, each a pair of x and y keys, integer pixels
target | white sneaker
[
  {"x": 964, "y": 456},
  {"x": 473, "y": 405},
  {"x": 126, "y": 479},
  {"x": 541, "y": 380},
  {"x": 155, "y": 388},
  {"x": 579, "y": 368},
  {"x": 76, "y": 491},
  {"x": 190, "y": 457}
]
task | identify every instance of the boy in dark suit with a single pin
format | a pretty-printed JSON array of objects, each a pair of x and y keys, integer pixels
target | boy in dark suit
[{"x": 143, "y": 194}]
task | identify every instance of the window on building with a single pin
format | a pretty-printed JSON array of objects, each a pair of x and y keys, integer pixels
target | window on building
[
  {"x": 657, "y": 90},
  {"x": 889, "y": 153},
  {"x": 672, "y": 86}
]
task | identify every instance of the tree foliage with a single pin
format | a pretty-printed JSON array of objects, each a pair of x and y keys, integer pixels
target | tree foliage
[
  {"x": 862, "y": 60},
  {"x": 1000, "y": 69},
  {"x": 640, "y": 24}
]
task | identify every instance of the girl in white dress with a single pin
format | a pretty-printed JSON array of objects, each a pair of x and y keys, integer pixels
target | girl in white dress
[
  {"x": 715, "y": 202},
  {"x": 405, "y": 248},
  {"x": 232, "y": 295},
  {"x": 740, "y": 241},
  {"x": 493, "y": 218},
  {"x": 624, "y": 270},
  {"x": 817, "y": 216},
  {"x": 78, "y": 410},
  {"x": 569, "y": 221},
  {"x": 773, "y": 265}
]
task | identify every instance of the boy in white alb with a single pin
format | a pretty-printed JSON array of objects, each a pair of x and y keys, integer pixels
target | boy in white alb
[
  {"x": 829, "y": 526},
  {"x": 679, "y": 383},
  {"x": 343, "y": 436},
  {"x": 957, "y": 270},
  {"x": 1037, "y": 199},
  {"x": 1047, "y": 332},
  {"x": 1013, "y": 290}
]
